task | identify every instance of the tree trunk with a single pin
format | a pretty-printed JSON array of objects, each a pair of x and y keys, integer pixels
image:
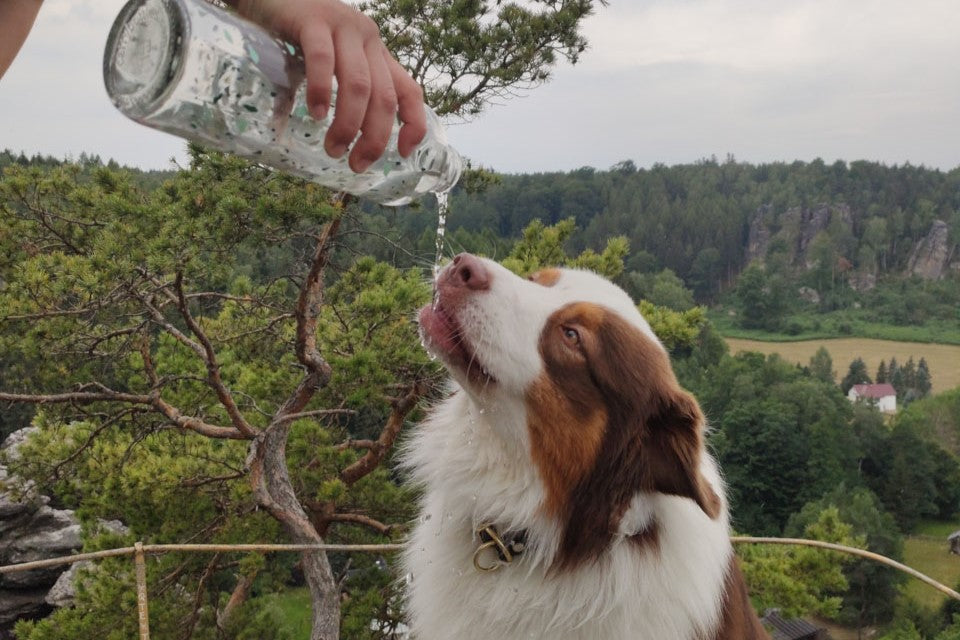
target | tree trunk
[{"x": 274, "y": 491}]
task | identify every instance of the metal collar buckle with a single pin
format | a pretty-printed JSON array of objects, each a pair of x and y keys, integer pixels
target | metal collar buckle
[{"x": 490, "y": 538}]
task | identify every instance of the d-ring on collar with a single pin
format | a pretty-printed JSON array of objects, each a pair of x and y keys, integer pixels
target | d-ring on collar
[{"x": 507, "y": 547}]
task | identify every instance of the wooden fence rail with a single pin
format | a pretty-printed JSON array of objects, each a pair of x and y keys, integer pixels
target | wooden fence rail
[{"x": 139, "y": 552}]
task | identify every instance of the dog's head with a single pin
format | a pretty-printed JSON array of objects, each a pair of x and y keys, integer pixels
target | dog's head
[{"x": 604, "y": 417}]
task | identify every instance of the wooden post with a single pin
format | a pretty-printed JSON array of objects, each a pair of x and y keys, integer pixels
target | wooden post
[{"x": 140, "y": 564}]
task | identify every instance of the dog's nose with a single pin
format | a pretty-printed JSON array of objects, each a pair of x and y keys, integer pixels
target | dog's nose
[{"x": 469, "y": 271}]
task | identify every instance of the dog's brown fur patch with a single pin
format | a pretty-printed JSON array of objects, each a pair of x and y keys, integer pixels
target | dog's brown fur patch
[
  {"x": 546, "y": 277},
  {"x": 608, "y": 420}
]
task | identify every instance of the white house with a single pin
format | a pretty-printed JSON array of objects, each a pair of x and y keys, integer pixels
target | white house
[{"x": 882, "y": 395}]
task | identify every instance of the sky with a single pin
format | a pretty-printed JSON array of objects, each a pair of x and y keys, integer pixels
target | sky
[{"x": 663, "y": 81}]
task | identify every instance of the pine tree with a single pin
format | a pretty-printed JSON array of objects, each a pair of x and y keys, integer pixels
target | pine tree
[
  {"x": 857, "y": 374},
  {"x": 821, "y": 366},
  {"x": 910, "y": 374},
  {"x": 882, "y": 372},
  {"x": 924, "y": 382}
]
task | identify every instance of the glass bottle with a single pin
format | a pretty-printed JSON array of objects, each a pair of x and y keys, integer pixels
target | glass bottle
[{"x": 203, "y": 73}]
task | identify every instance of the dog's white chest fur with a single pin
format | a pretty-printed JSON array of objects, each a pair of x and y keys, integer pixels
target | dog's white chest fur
[{"x": 471, "y": 475}]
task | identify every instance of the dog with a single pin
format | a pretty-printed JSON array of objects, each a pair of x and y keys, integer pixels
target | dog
[{"x": 566, "y": 490}]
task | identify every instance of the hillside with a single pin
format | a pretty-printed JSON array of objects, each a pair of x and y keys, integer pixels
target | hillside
[{"x": 708, "y": 220}]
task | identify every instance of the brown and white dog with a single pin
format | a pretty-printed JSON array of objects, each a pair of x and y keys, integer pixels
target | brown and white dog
[{"x": 567, "y": 491}]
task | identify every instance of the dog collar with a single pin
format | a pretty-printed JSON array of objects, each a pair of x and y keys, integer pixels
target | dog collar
[{"x": 507, "y": 547}]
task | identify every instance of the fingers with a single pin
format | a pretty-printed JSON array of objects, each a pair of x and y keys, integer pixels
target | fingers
[
  {"x": 353, "y": 92},
  {"x": 410, "y": 102},
  {"x": 373, "y": 89},
  {"x": 318, "y": 54},
  {"x": 381, "y": 111}
]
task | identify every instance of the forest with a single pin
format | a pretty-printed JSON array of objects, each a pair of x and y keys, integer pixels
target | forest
[{"x": 152, "y": 327}]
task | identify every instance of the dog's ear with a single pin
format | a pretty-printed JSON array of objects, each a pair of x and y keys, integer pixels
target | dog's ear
[
  {"x": 671, "y": 451},
  {"x": 662, "y": 423}
]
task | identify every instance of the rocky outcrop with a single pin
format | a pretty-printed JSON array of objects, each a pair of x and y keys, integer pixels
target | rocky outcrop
[
  {"x": 796, "y": 228},
  {"x": 862, "y": 281},
  {"x": 30, "y": 529},
  {"x": 932, "y": 256},
  {"x": 802, "y": 225},
  {"x": 759, "y": 234},
  {"x": 809, "y": 294}
]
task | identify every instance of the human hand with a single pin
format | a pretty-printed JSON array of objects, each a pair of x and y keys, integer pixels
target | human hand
[{"x": 372, "y": 87}]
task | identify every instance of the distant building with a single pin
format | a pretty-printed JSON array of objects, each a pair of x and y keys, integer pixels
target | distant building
[
  {"x": 882, "y": 395},
  {"x": 798, "y": 629}
]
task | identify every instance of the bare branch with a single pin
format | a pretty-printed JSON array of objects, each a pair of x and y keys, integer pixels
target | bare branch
[
  {"x": 309, "y": 301},
  {"x": 314, "y": 414},
  {"x": 267, "y": 327},
  {"x": 148, "y": 363},
  {"x": 356, "y": 444},
  {"x": 159, "y": 319},
  {"x": 366, "y": 521},
  {"x": 213, "y": 367},
  {"x": 308, "y": 308},
  {"x": 154, "y": 400},
  {"x": 195, "y": 424},
  {"x": 78, "y": 397},
  {"x": 199, "y": 482},
  {"x": 375, "y": 455}
]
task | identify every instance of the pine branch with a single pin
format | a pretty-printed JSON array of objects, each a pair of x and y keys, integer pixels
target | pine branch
[
  {"x": 375, "y": 454},
  {"x": 213, "y": 367}
]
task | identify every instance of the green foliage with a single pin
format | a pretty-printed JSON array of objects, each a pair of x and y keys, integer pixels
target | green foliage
[
  {"x": 856, "y": 374},
  {"x": 952, "y": 632},
  {"x": 872, "y": 587},
  {"x": 467, "y": 54},
  {"x": 913, "y": 476},
  {"x": 821, "y": 366},
  {"x": 801, "y": 581},
  {"x": 663, "y": 288},
  {"x": 782, "y": 436},
  {"x": 762, "y": 298},
  {"x": 543, "y": 246},
  {"x": 903, "y": 630}
]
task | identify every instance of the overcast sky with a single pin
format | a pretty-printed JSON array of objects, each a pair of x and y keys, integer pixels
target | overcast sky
[{"x": 669, "y": 81}]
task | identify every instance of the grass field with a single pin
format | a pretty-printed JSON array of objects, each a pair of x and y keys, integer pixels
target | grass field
[
  {"x": 838, "y": 325},
  {"x": 292, "y": 612},
  {"x": 929, "y": 555},
  {"x": 943, "y": 360}
]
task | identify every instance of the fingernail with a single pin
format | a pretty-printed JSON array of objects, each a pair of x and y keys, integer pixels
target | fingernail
[
  {"x": 337, "y": 150},
  {"x": 361, "y": 164}
]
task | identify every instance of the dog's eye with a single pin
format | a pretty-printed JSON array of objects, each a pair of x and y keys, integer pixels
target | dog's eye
[{"x": 571, "y": 335}]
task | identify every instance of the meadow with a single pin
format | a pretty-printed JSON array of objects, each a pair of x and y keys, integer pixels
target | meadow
[
  {"x": 927, "y": 551},
  {"x": 943, "y": 360}
]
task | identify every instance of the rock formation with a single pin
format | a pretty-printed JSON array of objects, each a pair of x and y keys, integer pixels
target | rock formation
[{"x": 932, "y": 256}]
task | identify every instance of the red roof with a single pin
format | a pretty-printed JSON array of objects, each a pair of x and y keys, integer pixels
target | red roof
[{"x": 874, "y": 390}]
